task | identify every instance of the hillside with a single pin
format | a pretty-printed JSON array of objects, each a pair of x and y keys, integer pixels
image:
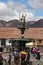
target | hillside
[{"x": 17, "y": 23}]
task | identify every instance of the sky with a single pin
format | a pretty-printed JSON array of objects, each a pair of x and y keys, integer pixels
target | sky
[{"x": 14, "y": 9}]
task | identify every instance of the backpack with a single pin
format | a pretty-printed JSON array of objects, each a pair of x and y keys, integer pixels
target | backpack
[
  {"x": 23, "y": 55},
  {"x": 16, "y": 54},
  {"x": 38, "y": 56}
]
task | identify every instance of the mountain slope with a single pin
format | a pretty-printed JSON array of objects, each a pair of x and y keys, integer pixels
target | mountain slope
[
  {"x": 17, "y": 23},
  {"x": 39, "y": 23}
]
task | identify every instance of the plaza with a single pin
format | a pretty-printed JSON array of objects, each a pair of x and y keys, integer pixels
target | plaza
[
  {"x": 32, "y": 59},
  {"x": 18, "y": 37}
]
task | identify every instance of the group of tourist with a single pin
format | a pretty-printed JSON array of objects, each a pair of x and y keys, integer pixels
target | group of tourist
[
  {"x": 21, "y": 57},
  {"x": 25, "y": 55}
]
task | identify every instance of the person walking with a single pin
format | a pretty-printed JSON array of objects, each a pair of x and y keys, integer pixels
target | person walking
[
  {"x": 16, "y": 56},
  {"x": 23, "y": 57},
  {"x": 9, "y": 59},
  {"x": 1, "y": 59},
  {"x": 28, "y": 58},
  {"x": 36, "y": 54},
  {"x": 5, "y": 62},
  {"x": 9, "y": 56},
  {"x": 38, "y": 57}
]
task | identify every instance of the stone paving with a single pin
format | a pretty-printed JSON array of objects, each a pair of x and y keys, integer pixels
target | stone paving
[{"x": 32, "y": 59}]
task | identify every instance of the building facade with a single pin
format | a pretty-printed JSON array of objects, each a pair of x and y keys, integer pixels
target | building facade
[{"x": 36, "y": 34}]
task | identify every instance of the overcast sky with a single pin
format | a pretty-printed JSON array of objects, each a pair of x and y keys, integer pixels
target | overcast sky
[{"x": 13, "y": 9}]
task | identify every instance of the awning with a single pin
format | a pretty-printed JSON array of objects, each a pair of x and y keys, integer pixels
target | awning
[{"x": 29, "y": 44}]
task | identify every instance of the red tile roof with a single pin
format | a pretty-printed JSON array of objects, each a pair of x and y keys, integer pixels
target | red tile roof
[
  {"x": 34, "y": 33},
  {"x": 9, "y": 33}
]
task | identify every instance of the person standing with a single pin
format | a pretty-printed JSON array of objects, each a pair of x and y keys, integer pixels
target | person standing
[
  {"x": 38, "y": 58},
  {"x": 23, "y": 57},
  {"x": 28, "y": 57},
  {"x": 16, "y": 57},
  {"x": 1, "y": 59},
  {"x": 9, "y": 56}
]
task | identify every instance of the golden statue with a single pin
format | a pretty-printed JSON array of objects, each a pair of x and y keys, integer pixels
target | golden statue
[{"x": 23, "y": 20}]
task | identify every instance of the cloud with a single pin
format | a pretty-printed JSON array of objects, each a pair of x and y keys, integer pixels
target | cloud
[
  {"x": 4, "y": 9},
  {"x": 38, "y": 4},
  {"x": 12, "y": 10},
  {"x": 16, "y": 6},
  {"x": 38, "y": 18}
]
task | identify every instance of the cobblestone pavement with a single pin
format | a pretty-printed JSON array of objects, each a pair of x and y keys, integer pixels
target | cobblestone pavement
[{"x": 32, "y": 59}]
